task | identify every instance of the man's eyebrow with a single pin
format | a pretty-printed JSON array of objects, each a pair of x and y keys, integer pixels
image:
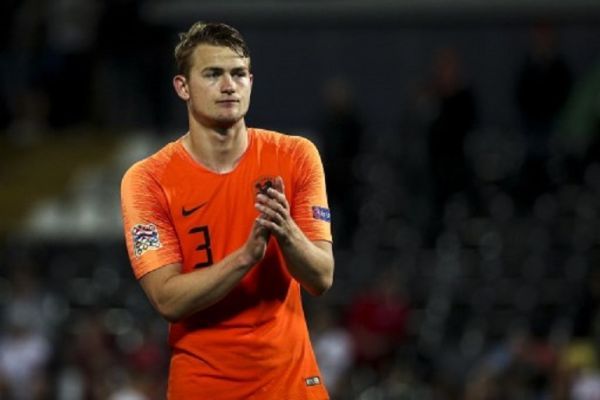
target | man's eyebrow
[
  {"x": 213, "y": 69},
  {"x": 221, "y": 69}
]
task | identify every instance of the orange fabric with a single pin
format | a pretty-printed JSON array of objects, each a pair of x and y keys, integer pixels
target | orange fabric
[{"x": 254, "y": 343}]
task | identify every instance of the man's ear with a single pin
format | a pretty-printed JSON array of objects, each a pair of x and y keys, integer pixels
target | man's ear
[{"x": 181, "y": 87}]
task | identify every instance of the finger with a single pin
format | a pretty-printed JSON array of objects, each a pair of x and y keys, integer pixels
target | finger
[
  {"x": 259, "y": 230},
  {"x": 265, "y": 200},
  {"x": 262, "y": 198},
  {"x": 269, "y": 213},
  {"x": 270, "y": 226},
  {"x": 277, "y": 192},
  {"x": 272, "y": 210},
  {"x": 277, "y": 195},
  {"x": 278, "y": 184},
  {"x": 278, "y": 202},
  {"x": 280, "y": 207}
]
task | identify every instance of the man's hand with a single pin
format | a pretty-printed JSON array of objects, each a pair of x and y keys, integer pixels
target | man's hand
[
  {"x": 275, "y": 212},
  {"x": 256, "y": 244},
  {"x": 310, "y": 263}
]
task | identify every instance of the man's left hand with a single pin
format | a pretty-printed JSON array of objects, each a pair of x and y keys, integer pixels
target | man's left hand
[{"x": 275, "y": 212}]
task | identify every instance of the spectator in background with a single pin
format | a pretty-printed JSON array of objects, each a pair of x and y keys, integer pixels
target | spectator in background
[
  {"x": 21, "y": 85},
  {"x": 128, "y": 387},
  {"x": 119, "y": 77},
  {"x": 579, "y": 127},
  {"x": 95, "y": 356},
  {"x": 24, "y": 354},
  {"x": 340, "y": 129},
  {"x": 24, "y": 348},
  {"x": 333, "y": 347},
  {"x": 586, "y": 386},
  {"x": 577, "y": 376},
  {"x": 543, "y": 84},
  {"x": 129, "y": 95},
  {"x": 71, "y": 28},
  {"x": 453, "y": 116},
  {"x": 377, "y": 319},
  {"x": 8, "y": 11}
]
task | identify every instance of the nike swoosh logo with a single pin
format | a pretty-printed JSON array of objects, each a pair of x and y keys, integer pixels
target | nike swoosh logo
[{"x": 187, "y": 213}]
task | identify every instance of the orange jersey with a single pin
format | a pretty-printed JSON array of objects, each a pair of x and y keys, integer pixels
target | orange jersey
[{"x": 254, "y": 343}]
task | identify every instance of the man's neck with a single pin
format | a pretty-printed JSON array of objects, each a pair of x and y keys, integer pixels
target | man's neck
[{"x": 217, "y": 149}]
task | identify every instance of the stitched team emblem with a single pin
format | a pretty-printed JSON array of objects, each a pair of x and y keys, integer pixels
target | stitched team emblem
[{"x": 145, "y": 237}]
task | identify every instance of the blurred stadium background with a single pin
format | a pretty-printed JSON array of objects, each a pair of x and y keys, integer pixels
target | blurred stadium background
[{"x": 461, "y": 143}]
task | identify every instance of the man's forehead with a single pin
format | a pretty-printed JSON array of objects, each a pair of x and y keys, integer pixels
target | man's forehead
[{"x": 218, "y": 55}]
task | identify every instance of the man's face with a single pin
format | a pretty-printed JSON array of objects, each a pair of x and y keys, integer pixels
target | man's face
[{"x": 218, "y": 86}]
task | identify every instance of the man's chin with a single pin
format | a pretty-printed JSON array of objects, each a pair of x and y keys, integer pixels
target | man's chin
[{"x": 228, "y": 122}]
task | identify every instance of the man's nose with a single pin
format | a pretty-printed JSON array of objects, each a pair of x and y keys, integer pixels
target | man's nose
[{"x": 227, "y": 85}]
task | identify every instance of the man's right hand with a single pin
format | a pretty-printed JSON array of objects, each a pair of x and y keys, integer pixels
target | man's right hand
[{"x": 256, "y": 244}]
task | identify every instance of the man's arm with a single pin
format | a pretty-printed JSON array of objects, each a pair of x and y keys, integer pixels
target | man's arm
[
  {"x": 175, "y": 295},
  {"x": 310, "y": 263}
]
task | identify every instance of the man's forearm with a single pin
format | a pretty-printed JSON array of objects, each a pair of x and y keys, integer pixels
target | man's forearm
[
  {"x": 310, "y": 263},
  {"x": 176, "y": 295}
]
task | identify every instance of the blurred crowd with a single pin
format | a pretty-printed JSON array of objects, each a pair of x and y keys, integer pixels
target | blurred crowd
[
  {"x": 71, "y": 64},
  {"x": 485, "y": 240},
  {"x": 466, "y": 255}
]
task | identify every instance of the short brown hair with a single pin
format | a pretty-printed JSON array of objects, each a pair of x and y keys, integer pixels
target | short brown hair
[{"x": 213, "y": 33}]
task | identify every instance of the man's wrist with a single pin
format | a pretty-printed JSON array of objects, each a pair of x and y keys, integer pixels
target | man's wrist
[
  {"x": 294, "y": 239},
  {"x": 245, "y": 258}
]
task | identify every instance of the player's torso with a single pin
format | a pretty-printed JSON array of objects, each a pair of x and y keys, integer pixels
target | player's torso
[
  {"x": 255, "y": 336},
  {"x": 213, "y": 215}
]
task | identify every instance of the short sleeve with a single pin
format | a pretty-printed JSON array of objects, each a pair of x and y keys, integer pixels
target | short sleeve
[
  {"x": 310, "y": 207},
  {"x": 149, "y": 233}
]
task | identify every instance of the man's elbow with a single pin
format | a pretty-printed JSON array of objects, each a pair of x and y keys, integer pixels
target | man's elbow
[
  {"x": 324, "y": 278},
  {"x": 321, "y": 289},
  {"x": 168, "y": 312},
  {"x": 321, "y": 286}
]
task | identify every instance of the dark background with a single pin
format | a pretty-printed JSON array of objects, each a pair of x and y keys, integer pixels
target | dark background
[{"x": 460, "y": 142}]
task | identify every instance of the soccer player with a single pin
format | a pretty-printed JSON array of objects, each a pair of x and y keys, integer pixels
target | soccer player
[{"x": 224, "y": 226}]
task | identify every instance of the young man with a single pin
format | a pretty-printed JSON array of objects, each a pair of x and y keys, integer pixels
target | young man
[{"x": 223, "y": 227}]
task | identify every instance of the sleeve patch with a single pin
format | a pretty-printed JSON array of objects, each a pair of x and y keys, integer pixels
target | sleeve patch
[
  {"x": 321, "y": 213},
  {"x": 145, "y": 237}
]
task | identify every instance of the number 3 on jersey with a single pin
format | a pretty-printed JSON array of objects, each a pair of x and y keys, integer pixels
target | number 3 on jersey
[{"x": 204, "y": 246}]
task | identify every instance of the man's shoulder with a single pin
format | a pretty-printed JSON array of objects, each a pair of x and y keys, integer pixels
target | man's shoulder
[
  {"x": 153, "y": 164},
  {"x": 280, "y": 140}
]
